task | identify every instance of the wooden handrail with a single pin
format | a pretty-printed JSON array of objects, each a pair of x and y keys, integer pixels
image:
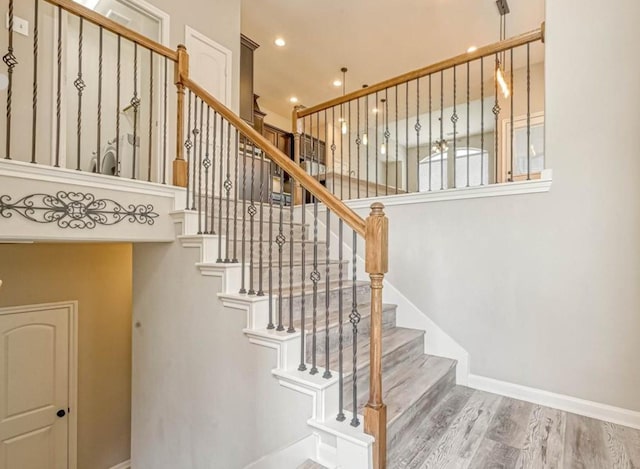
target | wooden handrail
[
  {"x": 116, "y": 28},
  {"x": 310, "y": 183},
  {"x": 492, "y": 49}
]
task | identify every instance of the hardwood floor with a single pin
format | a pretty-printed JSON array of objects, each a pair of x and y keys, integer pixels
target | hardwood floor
[{"x": 474, "y": 429}]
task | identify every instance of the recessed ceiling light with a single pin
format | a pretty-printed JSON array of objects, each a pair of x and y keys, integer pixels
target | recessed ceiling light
[
  {"x": 293, "y": 99},
  {"x": 337, "y": 83},
  {"x": 280, "y": 42},
  {"x": 472, "y": 49}
]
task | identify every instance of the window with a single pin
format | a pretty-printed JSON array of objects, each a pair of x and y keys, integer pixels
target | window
[
  {"x": 472, "y": 169},
  {"x": 525, "y": 160}
]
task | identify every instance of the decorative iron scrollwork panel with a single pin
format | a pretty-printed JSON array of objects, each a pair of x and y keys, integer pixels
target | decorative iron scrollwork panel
[{"x": 75, "y": 210}]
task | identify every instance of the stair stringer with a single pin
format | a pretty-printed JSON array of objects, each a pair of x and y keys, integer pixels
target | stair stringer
[{"x": 337, "y": 444}]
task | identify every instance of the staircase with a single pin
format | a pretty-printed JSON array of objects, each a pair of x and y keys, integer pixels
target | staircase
[{"x": 413, "y": 382}]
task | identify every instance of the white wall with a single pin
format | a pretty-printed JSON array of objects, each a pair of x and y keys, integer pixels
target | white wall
[
  {"x": 203, "y": 396},
  {"x": 543, "y": 289}
]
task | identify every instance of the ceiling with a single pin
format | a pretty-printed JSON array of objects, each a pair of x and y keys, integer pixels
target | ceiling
[{"x": 374, "y": 39}]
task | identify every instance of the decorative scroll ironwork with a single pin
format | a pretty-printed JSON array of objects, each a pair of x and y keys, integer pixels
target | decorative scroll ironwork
[{"x": 75, "y": 210}]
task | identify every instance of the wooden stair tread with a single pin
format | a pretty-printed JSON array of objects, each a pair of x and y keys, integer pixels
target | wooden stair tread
[
  {"x": 408, "y": 382},
  {"x": 392, "y": 339},
  {"x": 364, "y": 309}
]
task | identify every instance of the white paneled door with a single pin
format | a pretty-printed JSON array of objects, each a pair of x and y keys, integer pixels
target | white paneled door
[
  {"x": 209, "y": 65},
  {"x": 34, "y": 392}
]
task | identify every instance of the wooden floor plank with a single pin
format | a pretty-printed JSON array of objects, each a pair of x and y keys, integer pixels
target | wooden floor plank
[
  {"x": 544, "y": 443},
  {"x": 509, "y": 426},
  {"x": 415, "y": 446},
  {"x": 584, "y": 445},
  {"x": 457, "y": 447},
  {"x": 623, "y": 444},
  {"x": 472, "y": 429},
  {"x": 495, "y": 455}
]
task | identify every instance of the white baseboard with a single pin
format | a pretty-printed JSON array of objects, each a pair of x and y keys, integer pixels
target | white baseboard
[
  {"x": 123, "y": 465},
  {"x": 563, "y": 402},
  {"x": 287, "y": 458}
]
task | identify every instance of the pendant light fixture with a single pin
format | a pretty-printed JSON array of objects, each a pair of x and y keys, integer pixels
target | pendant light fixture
[
  {"x": 503, "y": 9},
  {"x": 343, "y": 126}
]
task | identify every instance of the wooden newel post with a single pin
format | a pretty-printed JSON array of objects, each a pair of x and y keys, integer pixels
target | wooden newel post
[
  {"x": 180, "y": 165},
  {"x": 377, "y": 262}
]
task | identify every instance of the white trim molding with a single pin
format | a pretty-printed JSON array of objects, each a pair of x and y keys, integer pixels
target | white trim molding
[
  {"x": 123, "y": 465},
  {"x": 596, "y": 410},
  {"x": 492, "y": 190}
]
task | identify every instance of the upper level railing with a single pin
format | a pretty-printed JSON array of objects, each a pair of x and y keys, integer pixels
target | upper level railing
[
  {"x": 106, "y": 96},
  {"x": 471, "y": 120}
]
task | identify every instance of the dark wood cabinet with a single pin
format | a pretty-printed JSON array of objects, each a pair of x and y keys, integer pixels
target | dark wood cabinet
[
  {"x": 247, "y": 48},
  {"x": 281, "y": 139},
  {"x": 312, "y": 149}
]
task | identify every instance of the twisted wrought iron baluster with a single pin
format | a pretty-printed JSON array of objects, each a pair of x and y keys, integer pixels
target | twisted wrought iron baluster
[
  {"x": 442, "y": 162},
  {"x": 280, "y": 240},
  {"x": 135, "y": 103},
  {"x": 10, "y": 61},
  {"x": 340, "y": 417},
  {"x": 354, "y": 318},
  {"x": 430, "y": 130},
  {"x": 315, "y": 278},
  {"x": 358, "y": 143},
  {"x": 496, "y": 112},
  {"x": 80, "y": 86},
  {"x": 260, "y": 234},
  {"x": 377, "y": 142},
  {"x": 188, "y": 144},
  {"x": 235, "y": 199},
  {"x": 214, "y": 138},
  {"x": 270, "y": 278},
  {"x": 387, "y": 135},
  {"x": 151, "y": 85},
  {"x": 292, "y": 190},
  {"x": 34, "y": 100},
  {"x": 482, "y": 121},
  {"x": 468, "y": 114},
  {"x": 118, "y": 92},
  {"x": 252, "y": 214},
  {"x": 454, "y": 120},
  {"x": 397, "y": 139},
  {"x": 221, "y": 184},
  {"x": 303, "y": 332},
  {"x": 366, "y": 130},
  {"x": 327, "y": 297},
  {"x": 349, "y": 141},
  {"x": 228, "y": 185},
  {"x": 58, "y": 86},
  {"x": 206, "y": 163},
  {"x": 528, "y": 109},
  {"x": 244, "y": 213},
  {"x": 99, "y": 122},
  {"x": 199, "y": 136},
  {"x": 511, "y": 169},
  {"x": 417, "y": 128},
  {"x": 165, "y": 122},
  {"x": 201, "y": 215}
]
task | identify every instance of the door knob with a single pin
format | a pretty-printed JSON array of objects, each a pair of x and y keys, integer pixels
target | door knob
[{"x": 61, "y": 413}]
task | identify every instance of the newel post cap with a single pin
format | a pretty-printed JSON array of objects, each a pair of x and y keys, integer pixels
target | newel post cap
[{"x": 377, "y": 240}]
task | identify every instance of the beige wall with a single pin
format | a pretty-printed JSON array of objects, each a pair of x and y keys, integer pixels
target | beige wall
[{"x": 99, "y": 278}]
